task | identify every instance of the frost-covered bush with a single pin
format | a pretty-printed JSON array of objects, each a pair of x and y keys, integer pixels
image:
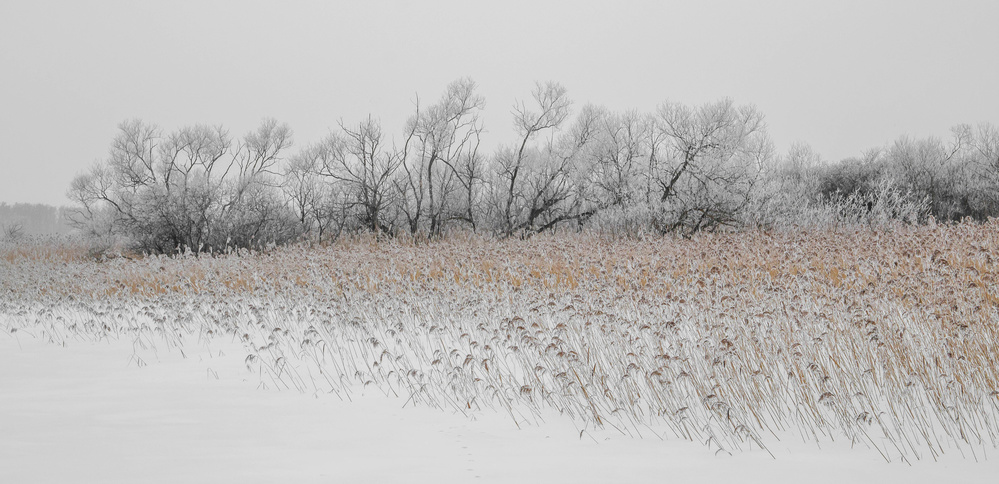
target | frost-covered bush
[{"x": 195, "y": 188}]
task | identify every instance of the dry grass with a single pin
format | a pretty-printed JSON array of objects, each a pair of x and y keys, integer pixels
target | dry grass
[
  {"x": 884, "y": 338},
  {"x": 42, "y": 251}
]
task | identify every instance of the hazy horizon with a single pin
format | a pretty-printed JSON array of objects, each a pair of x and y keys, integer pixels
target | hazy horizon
[{"x": 841, "y": 76}]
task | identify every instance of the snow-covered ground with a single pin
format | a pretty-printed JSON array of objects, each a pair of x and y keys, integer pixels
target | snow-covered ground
[{"x": 88, "y": 412}]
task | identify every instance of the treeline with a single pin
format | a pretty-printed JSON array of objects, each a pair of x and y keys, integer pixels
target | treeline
[
  {"x": 678, "y": 169},
  {"x": 28, "y": 219}
]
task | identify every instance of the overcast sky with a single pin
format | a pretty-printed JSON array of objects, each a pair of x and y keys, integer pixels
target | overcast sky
[{"x": 841, "y": 76}]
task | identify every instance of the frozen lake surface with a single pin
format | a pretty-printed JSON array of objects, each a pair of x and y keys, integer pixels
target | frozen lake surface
[{"x": 88, "y": 412}]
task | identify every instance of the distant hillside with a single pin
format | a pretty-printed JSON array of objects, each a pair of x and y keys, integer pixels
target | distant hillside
[{"x": 34, "y": 219}]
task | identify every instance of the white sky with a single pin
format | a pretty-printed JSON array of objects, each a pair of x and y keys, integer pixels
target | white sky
[{"x": 842, "y": 76}]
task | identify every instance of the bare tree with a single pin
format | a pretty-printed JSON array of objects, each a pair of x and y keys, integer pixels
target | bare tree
[
  {"x": 319, "y": 207},
  {"x": 943, "y": 173},
  {"x": 195, "y": 188},
  {"x": 557, "y": 184},
  {"x": 789, "y": 191},
  {"x": 12, "y": 232},
  {"x": 441, "y": 160},
  {"x": 983, "y": 169},
  {"x": 356, "y": 159},
  {"x": 617, "y": 158},
  {"x": 551, "y": 111},
  {"x": 254, "y": 205},
  {"x": 708, "y": 163}
]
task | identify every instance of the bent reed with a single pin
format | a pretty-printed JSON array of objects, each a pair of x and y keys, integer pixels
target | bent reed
[{"x": 886, "y": 338}]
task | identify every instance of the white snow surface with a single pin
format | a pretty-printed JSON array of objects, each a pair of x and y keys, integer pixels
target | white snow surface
[{"x": 91, "y": 413}]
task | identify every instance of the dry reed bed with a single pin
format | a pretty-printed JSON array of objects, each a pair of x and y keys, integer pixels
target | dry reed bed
[{"x": 884, "y": 338}]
